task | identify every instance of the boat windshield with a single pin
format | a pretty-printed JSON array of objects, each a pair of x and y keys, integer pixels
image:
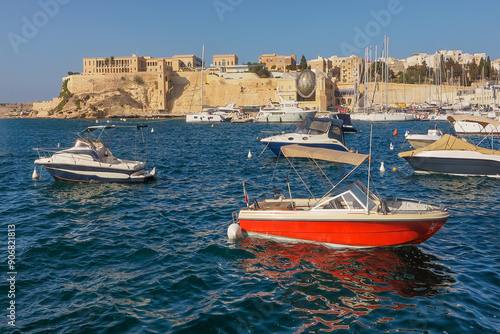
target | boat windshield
[
  {"x": 313, "y": 127},
  {"x": 351, "y": 197}
]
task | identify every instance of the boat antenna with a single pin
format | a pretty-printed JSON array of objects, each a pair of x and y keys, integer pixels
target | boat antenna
[{"x": 369, "y": 165}]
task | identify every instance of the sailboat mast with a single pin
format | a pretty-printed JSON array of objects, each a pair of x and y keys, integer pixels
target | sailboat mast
[
  {"x": 202, "y": 68},
  {"x": 386, "y": 72}
]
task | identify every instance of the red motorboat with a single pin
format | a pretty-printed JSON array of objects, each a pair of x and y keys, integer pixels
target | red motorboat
[{"x": 352, "y": 216}]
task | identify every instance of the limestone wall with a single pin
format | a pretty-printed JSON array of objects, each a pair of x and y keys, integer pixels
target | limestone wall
[{"x": 185, "y": 94}]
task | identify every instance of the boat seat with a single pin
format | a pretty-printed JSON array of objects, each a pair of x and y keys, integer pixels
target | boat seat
[
  {"x": 383, "y": 208},
  {"x": 334, "y": 204}
]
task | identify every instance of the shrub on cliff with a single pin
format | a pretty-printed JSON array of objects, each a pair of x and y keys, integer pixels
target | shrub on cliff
[{"x": 138, "y": 80}]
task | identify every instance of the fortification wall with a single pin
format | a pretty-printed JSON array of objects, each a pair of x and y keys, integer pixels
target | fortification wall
[{"x": 185, "y": 93}]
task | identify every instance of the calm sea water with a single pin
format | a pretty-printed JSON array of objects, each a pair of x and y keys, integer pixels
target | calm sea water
[{"x": 154, "y": 258}]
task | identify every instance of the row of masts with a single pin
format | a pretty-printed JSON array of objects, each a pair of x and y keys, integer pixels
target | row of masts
[{"x": 371, "y": 87}]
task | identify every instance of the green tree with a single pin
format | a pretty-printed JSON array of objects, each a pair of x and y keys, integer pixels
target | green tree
[
  {"x": 261, "y": 70},
  {"x": 487, "y": 68},
  {"x": 303, "y": 64},
  {"x": 473, "y": 72}
]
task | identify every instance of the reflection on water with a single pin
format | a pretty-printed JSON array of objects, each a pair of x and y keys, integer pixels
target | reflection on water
[{"x": 335, "y": 287}]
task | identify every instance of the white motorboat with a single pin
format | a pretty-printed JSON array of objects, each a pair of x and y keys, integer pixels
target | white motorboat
[
  {"x": 90, "y": 159},
  {"x": 288, "y": 111},
  {"x": 474, "y": 125},
  {"x": 420, "y": 140},
  {"x": 208, "y": 116},
  {"x": 312, "y": 132}
]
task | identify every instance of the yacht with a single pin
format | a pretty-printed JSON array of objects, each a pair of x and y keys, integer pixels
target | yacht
[{"x": 288, "y": 111}]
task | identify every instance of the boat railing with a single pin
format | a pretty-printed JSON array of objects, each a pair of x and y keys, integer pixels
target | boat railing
[
  {"x": 234, "y": 217},
  {"x": 46, "y": 152}
]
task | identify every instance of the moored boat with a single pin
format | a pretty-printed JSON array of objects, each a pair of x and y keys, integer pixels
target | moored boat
[
  {"x": 474, "y": 125},
  {"x": 453, "y": 155},
  {"x": 384, "y": 117},
  {"x": 208, "y": 116},
  {"x": 288, "y": 111},
  {"x": 90, "y": 159},
  {"x": 352, "y": 216},
  {"x": 420, "y": 140},
  {"x": 312, "y": 132}
]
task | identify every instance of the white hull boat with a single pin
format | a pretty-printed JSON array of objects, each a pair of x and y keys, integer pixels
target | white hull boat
[
  {"x": 474, "y": 125},
  {"x": 208, "y": 117},
  {"x": 287, "y": 111},
  {"x": 312, "y": 132},
  {"x": 90, "y": 160},
  {"x": 420, "y": 140},
  {"x": 384, "y": 117}
]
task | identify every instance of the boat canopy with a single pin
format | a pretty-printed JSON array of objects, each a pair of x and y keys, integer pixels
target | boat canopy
[
  {"x": 449, "y": 143},
  {"x": 484, "y": 121},
  {"x": 299, "y": 151}
]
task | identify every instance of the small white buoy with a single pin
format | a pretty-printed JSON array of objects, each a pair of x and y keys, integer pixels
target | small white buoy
[
  {"x": 107, "y": 121},
  {"x": 249, "y": 154},
  {"x": 234, "y": 231},
  {"x": 58, "y": 145},
  {"x": 391, "y": 147},
  {"x": 97, "y": 121},
  {"x": 152, "y": 130},
  {"x": 35, "y": 175},
  {"x": 382, "y": 168}
]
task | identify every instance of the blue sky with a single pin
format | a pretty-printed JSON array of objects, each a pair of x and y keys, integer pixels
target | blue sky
[{"x": 40, "y": 41}]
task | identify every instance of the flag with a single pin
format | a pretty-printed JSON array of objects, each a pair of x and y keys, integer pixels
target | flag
[{"x": 245, "y": 193}]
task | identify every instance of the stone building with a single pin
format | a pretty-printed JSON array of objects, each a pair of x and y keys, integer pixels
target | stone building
[
  {"x": 350, "y": 67},
  {"x": 277, "y": 63},
  {"x": 225, "y": 60},
  {"x": 320, "y": 64}
]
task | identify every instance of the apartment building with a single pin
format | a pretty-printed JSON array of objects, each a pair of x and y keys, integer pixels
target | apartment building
[{"x": 350, "y": 67}]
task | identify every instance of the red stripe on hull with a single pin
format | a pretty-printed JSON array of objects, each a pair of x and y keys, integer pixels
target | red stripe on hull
[{"x": 349, "y": 233}]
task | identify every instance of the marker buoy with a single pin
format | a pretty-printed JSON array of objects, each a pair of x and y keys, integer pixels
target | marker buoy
[
  {"x": 395, "y": 133},
  {"x": 382, "y": 168},
  {"x": 152, "y": 130},
  {"x": 249, "y": 154},
  {"x": 391, "y": 147},
  {"x": 394, "y": 169},
  {"x": 35, "y": 175}
]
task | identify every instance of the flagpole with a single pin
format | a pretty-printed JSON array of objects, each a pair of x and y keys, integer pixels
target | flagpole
[{"x": 245, "y": 193}]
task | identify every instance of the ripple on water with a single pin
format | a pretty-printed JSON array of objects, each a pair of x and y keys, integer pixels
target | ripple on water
[{"x": 155, "y": 258}]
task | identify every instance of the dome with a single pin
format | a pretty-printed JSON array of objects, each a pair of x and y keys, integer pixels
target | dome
[{"x": 306, "y": 84}]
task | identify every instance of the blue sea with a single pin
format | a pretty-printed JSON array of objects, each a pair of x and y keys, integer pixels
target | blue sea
[{"x": 155, "y": 257}]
